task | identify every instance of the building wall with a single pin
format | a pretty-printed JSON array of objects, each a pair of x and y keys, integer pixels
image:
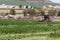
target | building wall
[{"x": 8, "y": 11}]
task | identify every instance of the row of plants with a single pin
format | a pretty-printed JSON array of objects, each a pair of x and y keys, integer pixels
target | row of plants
[
  {"x": 26, "y": 26},
  {"x": 19, "y": 22}
]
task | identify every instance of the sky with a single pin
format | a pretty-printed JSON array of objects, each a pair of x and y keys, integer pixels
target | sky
[{"x": 56, "y": 1}]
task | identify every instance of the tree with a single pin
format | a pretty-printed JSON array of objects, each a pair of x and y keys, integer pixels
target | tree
[
  {"x": 12, "y": 12},
  {"x": 37, "y": 11},
  {"x": 25, "y": 12},
  {"x": 20, "y": 6},
  {"x": 59, "y": 13},
  {"x": 31, "y": 13},
  {"x": 42, "y": 13}
]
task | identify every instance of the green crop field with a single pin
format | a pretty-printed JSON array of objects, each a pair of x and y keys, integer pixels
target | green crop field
[{"x": 27, "y": 30}]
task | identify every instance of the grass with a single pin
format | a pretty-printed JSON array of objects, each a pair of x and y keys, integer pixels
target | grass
[
  {"x": 19, "y": 36},
  {"x": 17, "y": 29},
  {"x": 27, "y": 36},
  {"x": 26, "y": 26}
]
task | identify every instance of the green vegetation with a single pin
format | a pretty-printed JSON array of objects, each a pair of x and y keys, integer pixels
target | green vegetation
[
  {"x": 20, "y": 29},
  {"x": 27, "y": 26},
  {"x": 12, "y": 12}
]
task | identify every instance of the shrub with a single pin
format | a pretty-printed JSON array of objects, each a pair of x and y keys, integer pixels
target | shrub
[{"x": 12, "y": 12}]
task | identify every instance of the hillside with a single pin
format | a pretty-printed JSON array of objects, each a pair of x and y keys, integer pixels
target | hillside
[
  {"x": 13, "y": 2},
  {"x": 29, "y": 0}
]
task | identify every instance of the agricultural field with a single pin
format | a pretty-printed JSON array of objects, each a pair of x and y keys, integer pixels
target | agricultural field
[{"x": 28, "y": 30}]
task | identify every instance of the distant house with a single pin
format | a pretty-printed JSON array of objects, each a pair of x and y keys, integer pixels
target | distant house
[
  {"x": 8, "y": 6},
  {"x": 3, "y": 6},
  {"x": 28, "y": 6}
]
